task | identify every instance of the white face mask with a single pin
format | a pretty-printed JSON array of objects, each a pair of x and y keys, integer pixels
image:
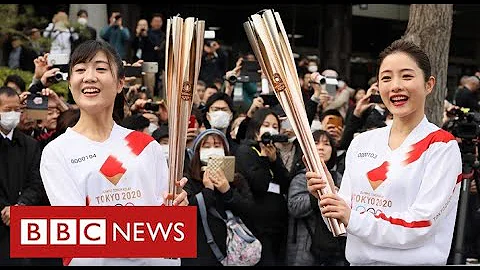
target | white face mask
[
  {"x": 164, "y": 148},
  {"x": 272, "y": 131},
  {"x": 82, "y": 21},
  {"x": 206, "y": 153},
  {"x": 9, "y": 120},
  {"x": 219, "y": 119},
  {"x": 313, "y": 68},
  {"x": 151, "y": 128},
  {"x": 292, "y": 139}
]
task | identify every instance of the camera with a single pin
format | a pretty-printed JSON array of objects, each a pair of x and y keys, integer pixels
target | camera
[
  {"x": 57, "y": 77},
  {"x": 59, "y": 61},
  {"x": 268, "y": 138},
  {"x": 150, "y": 67},
  {"x": 330, "y": 83},
  {"x": 150, "y": 106},
  {"x": 37, "y": 106},
  {"x": 465, "y": 125},
  {"x": 232, "y": 79}
]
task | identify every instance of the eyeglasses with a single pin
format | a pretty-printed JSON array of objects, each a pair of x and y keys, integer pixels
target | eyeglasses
[{"x": 216, "y": 109}]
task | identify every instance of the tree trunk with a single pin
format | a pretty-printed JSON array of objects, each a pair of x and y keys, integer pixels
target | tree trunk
[{"x": 430, "y": 27}]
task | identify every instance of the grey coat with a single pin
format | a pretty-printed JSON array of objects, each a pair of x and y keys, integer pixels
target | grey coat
[{"x": 301, "y": 205}]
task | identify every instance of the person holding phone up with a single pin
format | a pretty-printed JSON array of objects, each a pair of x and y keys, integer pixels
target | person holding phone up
[{"x": 218, "y": 192}]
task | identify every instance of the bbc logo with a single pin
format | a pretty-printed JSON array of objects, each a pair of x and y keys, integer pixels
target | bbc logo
[
  {"x": 103, "y": 232},
  {"x": 63, "y": 231}
]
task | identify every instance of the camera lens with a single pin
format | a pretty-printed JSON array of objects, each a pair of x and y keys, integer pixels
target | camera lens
[
  {"x": 57, "y": 77},
  {"x": 232, "y": 79}
]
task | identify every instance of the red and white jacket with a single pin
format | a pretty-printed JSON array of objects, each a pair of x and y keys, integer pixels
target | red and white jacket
[
  {"x": 403, "y": 201},
  {"x": 128, "y": 169}
]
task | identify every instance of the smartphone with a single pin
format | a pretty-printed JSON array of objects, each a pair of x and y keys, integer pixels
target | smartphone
[
  {"x": 131, "y": 71},
  {"x": 376, "y": 99},
  {"x": 150, "y": 106},
  {"x": 191, "y": 121},
  {"x": 249, "y": 72},
  {"x": 37, "y": 107},
  {"x": 209, "y": 34},
  {"x": 335, "y": 120},
  {"x": 150, "y": 67},
  {"x": 60, "y": 61},
  {"x": 226, "y": 163},
  {"x": 269, "y": 99}
]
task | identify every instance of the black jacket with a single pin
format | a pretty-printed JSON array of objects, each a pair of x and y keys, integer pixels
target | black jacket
[
  {"x": 20, "y": 181},
  {"x": 271, "y": 210}
]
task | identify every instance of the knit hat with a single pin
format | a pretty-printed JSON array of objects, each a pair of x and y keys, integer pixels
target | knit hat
[{"x": 206, "y": 132}]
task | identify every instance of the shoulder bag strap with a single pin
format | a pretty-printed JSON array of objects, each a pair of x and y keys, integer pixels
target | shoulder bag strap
[{"x": 206, "y": 228}]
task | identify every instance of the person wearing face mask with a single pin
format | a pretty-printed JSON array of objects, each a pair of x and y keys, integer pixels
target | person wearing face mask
[
  {"x": 309, "y": 241},
  {"x": 219, "y": 115},
  {"x": 290, "y": 152},
  {"x": 85, "y": 31},
  {"x": 161, "y": 136},
  {"x": 268, "y": 178},
  {"x": 20, "y": 181},
  {"x": 218, "y": 192}
]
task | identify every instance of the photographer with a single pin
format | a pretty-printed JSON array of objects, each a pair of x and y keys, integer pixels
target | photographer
[
  {"x": 214, "y": 62},
  {"x": 465, "y": 127},
  {"x": 269, "y": 180},
  {"x": 116, "y": 34}
]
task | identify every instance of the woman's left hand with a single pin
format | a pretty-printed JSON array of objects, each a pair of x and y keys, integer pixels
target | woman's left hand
[
  {"x": 181, "y": 198},
  {"x": 219, "y": 181},
  {"x": 332, "y": 206}
]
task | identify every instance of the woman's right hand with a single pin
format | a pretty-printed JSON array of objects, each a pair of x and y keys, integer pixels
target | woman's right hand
[
  {"x": 269, "y": 151},
  {"x": 207, "y": 181},
  {"x": 256, "y": 104},
  {"x": 49, "y": 73},
  {"x": 41, "y": 66},
  {"x": 315, "y": 182}
]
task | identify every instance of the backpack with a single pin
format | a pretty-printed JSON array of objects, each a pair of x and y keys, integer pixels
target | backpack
[{"x": 243, "y": 248}]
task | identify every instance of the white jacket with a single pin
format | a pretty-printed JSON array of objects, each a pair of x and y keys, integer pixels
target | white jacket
[{"x": 403, "y": 201}]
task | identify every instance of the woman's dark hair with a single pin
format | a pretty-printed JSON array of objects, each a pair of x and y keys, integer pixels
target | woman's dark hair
[
  {"x": 65, "y": 120},
  {"x": 256, "y": 122},
  {"x": 317, "y": 135},
  {"x": 331, "y": 112},
  {"x": 196, "y": 164},
  {"x": 212, "y": 99},
  {"x": 412, "y": 50},
  {"x": 16, "y": 79},
  {"x": 86, "y": 51},
  {"x": 136, "y": 122}
]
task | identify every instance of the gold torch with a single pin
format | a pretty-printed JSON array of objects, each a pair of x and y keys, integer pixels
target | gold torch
[
  {"x": 270, "y": 44},
  {"x": 183, "y": 49}
]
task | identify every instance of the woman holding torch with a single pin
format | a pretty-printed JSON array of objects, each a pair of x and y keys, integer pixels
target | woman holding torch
[
  {"x": 97, "y": 156},
  {"x": 400, "y": 189}
]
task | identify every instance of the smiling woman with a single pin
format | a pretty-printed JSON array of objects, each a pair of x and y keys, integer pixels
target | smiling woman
[
  {"x": 400, "y": 181},
  {"x": 104, "y": 158}
]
